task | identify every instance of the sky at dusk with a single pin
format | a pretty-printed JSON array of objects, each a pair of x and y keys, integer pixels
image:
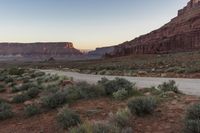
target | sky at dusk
[{"x": 86, "y": 23}]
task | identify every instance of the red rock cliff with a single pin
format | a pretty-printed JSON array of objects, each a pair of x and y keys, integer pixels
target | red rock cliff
[
  {"x": 51, "y": 49},
  {"x": 181, "y": 34}
]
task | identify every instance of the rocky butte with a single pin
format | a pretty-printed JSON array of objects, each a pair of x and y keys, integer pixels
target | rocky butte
[
  {"x": 32, "y": 50},
  {"x": 181, "y": 34}
]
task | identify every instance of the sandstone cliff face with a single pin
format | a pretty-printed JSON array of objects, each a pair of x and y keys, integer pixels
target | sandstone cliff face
[
  {"x": 49, "y": 49},
  {"x": 181, "y": 34},
  {"x": 99, "y": 52}
]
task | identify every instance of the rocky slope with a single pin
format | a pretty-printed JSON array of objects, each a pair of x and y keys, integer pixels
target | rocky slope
[
  {"x": 99, "y": 52},
  {"x": 48, "y": 49},
  {"x": 181, "y": 34}
]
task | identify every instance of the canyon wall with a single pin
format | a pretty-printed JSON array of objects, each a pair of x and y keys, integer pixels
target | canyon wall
[
  {"x": 181, "y": 34},
  {"x": 47, "y": 49}
]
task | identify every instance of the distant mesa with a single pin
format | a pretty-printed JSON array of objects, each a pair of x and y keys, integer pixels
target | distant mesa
[
  {"x": 38, "y": 50},
  {"x": 181, "y": 34}
]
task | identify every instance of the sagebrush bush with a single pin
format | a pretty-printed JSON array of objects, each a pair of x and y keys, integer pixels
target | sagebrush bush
[
  {"x": 2, "y": 88},
  {"x": 31, "y": 110},
  {"x": 193, "y": 112},
  {"x": 8, "y": 79},
  {"x": 121, "y": 119},
  {"x": 5, "y": 111},
  {"x": 54, "y": 100},
  {"x": 37, "y": 74},
  {"x": 192, "y": 126},
  {"x": 120, "y": 94},
  {"x": 23, "y": 87},
  {"x": 142, "y": 105},
  {"x": 169, "y": 86},
  {"x": 68, "y": 118},
  {"x": 16, "y": 71},
  {"x": 33, "y": 92},
  {"x": 88, "y": 91},
  {"x": 192, "y": 119},
  {"x": 153, "y": 90},
  {"x": 105, "y": 128},
  {"x": 20, "y": 98},
  {"x": 83, "y": 128},
  {"x": 72, "y": 93},
  {"x": 112, "y": 86}
]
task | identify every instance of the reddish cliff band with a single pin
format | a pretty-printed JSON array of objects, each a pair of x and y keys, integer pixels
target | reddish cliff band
[{"x": 181, "y": 34}]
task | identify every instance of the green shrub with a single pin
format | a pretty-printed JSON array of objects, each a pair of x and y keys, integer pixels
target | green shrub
[
  {"x": 31, "y": 110},
  {"x": 121, "y": 119},
  {"x": 142, "y": 105},
  {"x": 2, "y": 88},
  {"x": 37, "y": 74},
  {"x": 152, "y": 90},
  {"x": 193, "y": 112},
  {"x": 192, "y": 126},
  {"x": 27, "y": 86},
  {"x": 112, "y": 86},
  {"x": 54, "y": 100},
  {"x": 88, "y": 91},
  {"x": 5, "y": 111},
  {"x": 120, "y": 94},
  {"x": 83, "y": 128},
  {"x": 105, "y": 128},
  {"x": 72, "y": 93},
  {"x": 8, "y": 79},
  {"x": 192, "y": 119},
  {"x": 16, "y": 71},
  {"x": 23, "y": 87},
  {"x": 20, "y": 98},
  {"x": 68, "y": 118},
  {"x": 169, "y": 86},
  {"x": 33, "y": 92}
]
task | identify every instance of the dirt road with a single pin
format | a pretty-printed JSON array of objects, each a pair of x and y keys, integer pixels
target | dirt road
[{"x": 187, "y": 86}]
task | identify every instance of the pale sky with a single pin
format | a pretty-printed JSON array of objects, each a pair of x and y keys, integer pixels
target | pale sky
[{"x": 86, "y": 23}]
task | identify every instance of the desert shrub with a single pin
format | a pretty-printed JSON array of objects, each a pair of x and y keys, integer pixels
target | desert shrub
[
  {"x": 2, "y": 88},
  {"x": 33, "y": 92},
  {"x": 142, "y": 105},
  {"x": 23, "y": 87},
  {"x": 37, "y": 74},
  {"x": 16, "y": 71},
  {"x": 5, "y": 111},
  {"x": 54, "y": 100},
  {"x": 112, "y": 86},
  {"x": 105, "y": 128},
  {"x": 68, "y": 118},
  {"x": 20, "y": 98},
  {"x": 11, "y": 84},
  {"x": 72, "y": 93},
  {"x": 88, "y": 91},
  {"x": 120, "y": 94},
  {"x": 152, "y": 90},
  {"x": 51, "y": 88},
  {"x": 192, "y": 126},
  {"x": 83, "y": 128},
  {"x": 31, "y": 110},
  {"x": 192, "y": 119},
  {"x": 169, "y": 86},
  {"x": 8, "y": 79},
  {"x": 193, "y": 112},
  {"x": 121, "y": 119},
  {"x": 2, "y": 77}
]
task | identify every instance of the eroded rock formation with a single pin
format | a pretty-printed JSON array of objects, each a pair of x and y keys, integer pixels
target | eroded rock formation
[
  {"x": 181, "y": 34},
  {"x": 48, "y": 49}
]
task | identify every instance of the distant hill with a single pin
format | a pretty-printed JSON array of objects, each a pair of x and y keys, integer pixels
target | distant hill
[
  {"x": 38, "y": 50},
  {"x": 99, "y": 52},
  {"x": 181, "y": 34}
]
